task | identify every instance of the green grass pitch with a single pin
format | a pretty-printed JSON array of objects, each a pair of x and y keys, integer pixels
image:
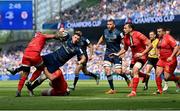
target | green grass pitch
[{"x": 89, "y": 96}]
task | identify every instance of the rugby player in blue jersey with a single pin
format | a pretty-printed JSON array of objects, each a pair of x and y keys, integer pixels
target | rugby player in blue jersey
[{"x": 112, "y": 38}]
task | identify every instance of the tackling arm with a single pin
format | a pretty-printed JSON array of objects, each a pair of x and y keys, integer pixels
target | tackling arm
[
  {"x": 49, "y": 36},
  {"x": 49, "y": 75}
]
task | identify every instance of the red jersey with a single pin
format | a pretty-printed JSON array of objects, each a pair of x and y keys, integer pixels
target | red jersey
[
  {"x": 59, "y": 84},
  {"x": 37, "y": 43},
  {"x": 137, "y": 42},
  {"x": 166, "y": 45}
]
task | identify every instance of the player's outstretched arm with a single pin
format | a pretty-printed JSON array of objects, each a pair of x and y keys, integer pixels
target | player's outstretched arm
[
  {"x": 100, "y": 41},
  {"x": 121, "y": 52},
  {"x": 49, "y": 36}
]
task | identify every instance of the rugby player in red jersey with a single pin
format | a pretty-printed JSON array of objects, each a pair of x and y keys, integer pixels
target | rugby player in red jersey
[
  {"x": 140, "y": 46},
  {"x": 167, "y": 48},
  {"x": 58, "y": 84}
]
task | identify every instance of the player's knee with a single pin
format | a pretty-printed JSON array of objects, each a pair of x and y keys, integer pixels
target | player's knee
[
  {"x": 107, "y": 70},
  {"x": 135, "y": 70}
]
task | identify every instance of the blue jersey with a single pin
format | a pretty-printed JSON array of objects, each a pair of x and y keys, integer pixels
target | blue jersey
[
  {"x": 113, "y": 40},
  {"x": 83, "y": 43},
  {"x": 58, "y": 58}
]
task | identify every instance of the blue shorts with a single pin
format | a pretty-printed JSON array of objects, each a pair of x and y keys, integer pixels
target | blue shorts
[{"x": 114, "y": 59}]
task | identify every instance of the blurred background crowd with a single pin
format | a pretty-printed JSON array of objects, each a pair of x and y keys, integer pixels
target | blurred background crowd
[{"x": 121, "y": 9}]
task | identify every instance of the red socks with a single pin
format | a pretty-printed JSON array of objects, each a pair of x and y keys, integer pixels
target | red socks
[
  {"x": 159, "y": 83},
  {"x": 21, "y": 83},
  {"x": 35, "y": 75},
  {"x": 135, "y": 84}
]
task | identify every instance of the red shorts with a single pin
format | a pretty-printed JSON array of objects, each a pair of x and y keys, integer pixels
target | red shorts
[
  {"x": 31, "y": 59},
  {"x": 134, "y": 60},
  {"x": 168, "y": 66}
]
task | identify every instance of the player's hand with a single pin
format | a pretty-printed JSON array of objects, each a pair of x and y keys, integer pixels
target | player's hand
[
  {"x": 113, "y": 54},
  {"x": 78, "y": 63},
  {"x": 138, "y": 55},
  {"x": 169, "y": 59}
]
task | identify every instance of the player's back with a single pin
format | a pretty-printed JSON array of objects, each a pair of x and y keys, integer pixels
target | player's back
[
  {"x": 37, "y": 43},
  {"x": 58, "y": 58}
]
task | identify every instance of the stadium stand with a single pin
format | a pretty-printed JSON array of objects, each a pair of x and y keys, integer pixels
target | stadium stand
[{"x": 121, "y": 9}]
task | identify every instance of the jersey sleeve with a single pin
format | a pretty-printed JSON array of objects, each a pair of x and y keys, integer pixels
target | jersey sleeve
[
  {"x": 172, "y": 42},
  {"x": 79, "y": 52},
  {"x": 87, "y": 42}
]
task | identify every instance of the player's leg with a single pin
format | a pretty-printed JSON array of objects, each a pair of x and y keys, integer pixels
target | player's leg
[
  {"x": 169, "y": 73},
  {"x": 136, "y": 68},
  {"x": 47, "y": 92},
  {"x": 77, "y": 70},
  {"x": 159, "y": 71},
  {"x": 148, "y": 70},
  {"x": 16, "y": 70},
  {"x": 165, "y": 88},
  {"x": 24, "y": 75},
  {"x": 53, "y": 92},
  {"x": 118, "y": 69},
  {"x": 38, "y": 63},
  {"x": 88, "y": 73},
  {"x": 107, "y": 68},
  {"x": 38, "y": 82},
  {"x": 37, "y": 73}
]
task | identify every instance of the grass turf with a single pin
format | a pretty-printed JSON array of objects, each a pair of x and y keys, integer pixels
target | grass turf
[{"x": 89, "y": 96}]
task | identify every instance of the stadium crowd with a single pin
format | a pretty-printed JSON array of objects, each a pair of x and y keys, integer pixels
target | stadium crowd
[{"x": 121, "y": 9}]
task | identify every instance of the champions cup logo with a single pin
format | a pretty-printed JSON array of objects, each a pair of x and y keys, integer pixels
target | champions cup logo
[
  {"x": 84, "y": 24},
  {"x": 168, "y": 18}
]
